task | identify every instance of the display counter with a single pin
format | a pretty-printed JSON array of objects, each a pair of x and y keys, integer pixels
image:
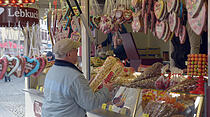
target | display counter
[{"x": 104, "y": 113}]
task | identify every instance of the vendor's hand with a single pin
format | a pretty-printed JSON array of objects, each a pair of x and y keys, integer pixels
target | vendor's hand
[
  {"x": 99, "y": 46},
  {"x": 108, "y": 85}
]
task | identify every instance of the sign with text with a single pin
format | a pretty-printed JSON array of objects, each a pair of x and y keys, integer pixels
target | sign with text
[{"x": 11, "y": 16}]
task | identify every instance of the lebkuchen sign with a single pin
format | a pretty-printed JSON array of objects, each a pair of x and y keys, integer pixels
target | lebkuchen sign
[{"x": 10, "y": 16}]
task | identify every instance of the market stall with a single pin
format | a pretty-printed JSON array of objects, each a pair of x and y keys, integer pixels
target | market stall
[
  {"x": 154, "y": 90},
  {"x": 163, "y": 19}
]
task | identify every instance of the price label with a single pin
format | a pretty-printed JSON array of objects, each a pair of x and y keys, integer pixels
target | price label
[
  {"x": 145, "y": 115},
  {"x": 103, "y": 106},
  {"x": 110, "y": 107},
  {"x": 37, "y": 87},
  {"x": 123, "y": 111},
  {"x": 41, "y": 89}
]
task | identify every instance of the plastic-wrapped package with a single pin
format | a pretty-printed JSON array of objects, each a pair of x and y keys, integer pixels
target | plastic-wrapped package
[
  {"x": 177, "y": 116},
  {"x": 124, "y": 80},
  {"x": 170, "y": 112},
  {"x": 147, "y": 83},
  {"x": 154, "y": 70},
  {"x": 148, "y": 106},
  {"x": 164, "y": 109},
  {"x": 116, "y": 69},
  {"x": 156, "y": 110},
  {"x": 110, "y": 61},
  {"x": 162, "y": 83},
  {"x": 127, "y": 71},
  {"x": 185, "y": 86}
]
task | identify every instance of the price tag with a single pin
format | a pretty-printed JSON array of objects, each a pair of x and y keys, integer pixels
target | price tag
[
  {"x": 41, "y": 89},
  {"x": 123, "y": 111},
  {"x": 110, "y": 107},
  {"x": 145, "y": 115},
  {"x": 103, "y": 106},
  {"x": 37, "y": 87}
]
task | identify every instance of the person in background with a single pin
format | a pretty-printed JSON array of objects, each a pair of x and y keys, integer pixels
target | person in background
[
  {"x": 116, "y": 44},
  {"x": 7, "y": 78},
  {"x": 180, "y": 52},
  {"x": 66, "y": 90},
  {"x": 179, "y": 55},
  {"x": 50, "y": 56}
]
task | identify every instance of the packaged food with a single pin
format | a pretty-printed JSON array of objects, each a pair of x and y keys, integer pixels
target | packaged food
[
  {"x": 178, "y": 116},
  {"x": 95, "y": 83},
  {"x": 127, "y": 71},
  {"x": 146, "y": 83},
  {"x": 124, "y": 80},
  {"x": 184, "y": 86},
  {"x": 154, "y": 70},
  {"x": 116, "y": 69}
]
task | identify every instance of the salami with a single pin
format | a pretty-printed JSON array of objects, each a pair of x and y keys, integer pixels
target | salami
[{"x": 197, "y": 23}]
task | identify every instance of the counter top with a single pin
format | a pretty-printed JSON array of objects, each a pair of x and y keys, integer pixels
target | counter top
[{"x": 104, "y": 113}]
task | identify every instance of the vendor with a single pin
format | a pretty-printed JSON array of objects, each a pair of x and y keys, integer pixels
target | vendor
[
  {"x": 116, "y": 43},
  {"x": 66, "y": 90},
  {"x": 179, "y": 55},
  {"x": 180, "y": 51}
]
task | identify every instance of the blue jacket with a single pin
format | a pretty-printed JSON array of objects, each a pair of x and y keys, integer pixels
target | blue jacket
[{"x": 67, "y": 92}]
